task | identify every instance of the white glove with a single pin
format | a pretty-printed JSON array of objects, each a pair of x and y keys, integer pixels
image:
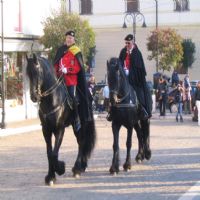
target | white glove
[
  {"x": 63, "y": 70},
  {"x": 126, "y": 71}
]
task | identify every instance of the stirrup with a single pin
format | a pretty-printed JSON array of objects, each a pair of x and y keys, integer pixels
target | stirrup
[{"x": 109, "y": 117}]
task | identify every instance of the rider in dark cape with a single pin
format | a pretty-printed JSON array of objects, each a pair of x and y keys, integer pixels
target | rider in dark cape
[
  {"x": 137, "y": 77},
  {"x": 131, "y": 60},
  {"x": 70, "y": 57}
]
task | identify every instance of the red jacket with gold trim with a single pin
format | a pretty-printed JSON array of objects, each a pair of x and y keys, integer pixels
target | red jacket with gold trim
[{"x": 70, "y": 62}]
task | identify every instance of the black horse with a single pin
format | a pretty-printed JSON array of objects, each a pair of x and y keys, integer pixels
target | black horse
[
  {"x": 124, "y": 108},
  {"x": 55, "y": 112}
]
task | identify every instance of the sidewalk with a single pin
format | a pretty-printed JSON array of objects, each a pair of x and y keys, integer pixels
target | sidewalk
[{"x": 24, "y": 126}]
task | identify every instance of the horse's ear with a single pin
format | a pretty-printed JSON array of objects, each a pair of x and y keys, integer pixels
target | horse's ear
[{"x": 35, "y": 60}]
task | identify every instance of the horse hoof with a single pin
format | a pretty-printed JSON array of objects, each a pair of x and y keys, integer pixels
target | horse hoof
[
  {"x": 139, "y": 161},
  {"x": 51, "y": 183},
  {"x": 127, "y": 167},
  {"x": 148, "y": 155},
  {"x": 77, "y": 176},
  {"x": 113, "y": 172},
  {"x": 60, "y": 170}
]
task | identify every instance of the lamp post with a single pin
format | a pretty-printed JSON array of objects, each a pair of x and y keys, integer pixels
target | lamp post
[
  {"x": 134, "y": 16},
  {"x": 70, "y": 10},
  {"x": 2, "y": 125},
  {"x": 156, "y": 1}
]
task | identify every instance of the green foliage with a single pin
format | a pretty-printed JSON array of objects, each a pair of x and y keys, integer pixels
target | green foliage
[
  {"x": 58, "y": 24},
  {"x": 166, "y": 44},
  {"x": 188, "y": 53}
]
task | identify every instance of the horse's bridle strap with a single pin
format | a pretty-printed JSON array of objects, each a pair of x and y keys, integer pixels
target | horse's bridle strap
[{"x": 51, "y": 89}]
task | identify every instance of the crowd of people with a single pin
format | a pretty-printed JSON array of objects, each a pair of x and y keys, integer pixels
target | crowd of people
[{"x": 182, "y": 95}]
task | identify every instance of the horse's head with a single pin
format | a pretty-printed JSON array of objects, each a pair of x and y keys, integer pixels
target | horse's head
[
  {"x": 113, "y": 78},
  {"x": 34, "y": 72}
]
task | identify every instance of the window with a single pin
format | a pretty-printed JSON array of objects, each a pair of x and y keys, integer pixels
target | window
[
  {"x": 181, "y": 5},
  {"x": 86, "y": 7},
  {"x": 132, "y": 6}
]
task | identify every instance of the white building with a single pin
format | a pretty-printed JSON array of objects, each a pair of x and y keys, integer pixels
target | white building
[{"x": 22, "y": 25}]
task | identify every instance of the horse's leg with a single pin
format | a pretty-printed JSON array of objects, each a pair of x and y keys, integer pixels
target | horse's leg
[
  {"x": 115, "y": 161},
  {"x": 59, "y": 166},
  {"x": 145, "y": 125},
  {"x": 127, "y": 164},
  {"x": 140, "y": 155},
  {"x": 86, "y": 139},
  {"x": 50, "y": 177},
  {"x": 77, "y": 168}
]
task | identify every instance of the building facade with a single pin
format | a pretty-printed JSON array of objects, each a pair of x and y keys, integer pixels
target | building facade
[{"x": 22, "y": 27}]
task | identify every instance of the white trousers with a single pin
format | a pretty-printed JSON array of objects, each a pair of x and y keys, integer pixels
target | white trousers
[{"x": 198, "y": 108}]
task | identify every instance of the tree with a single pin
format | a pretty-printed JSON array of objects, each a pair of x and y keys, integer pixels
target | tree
[
  {"x": 166, "y": 44},
  {"x": 188, "y": 53},
  {"x": 56, "y": 26}
]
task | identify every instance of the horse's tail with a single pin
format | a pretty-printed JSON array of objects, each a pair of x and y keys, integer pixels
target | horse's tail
[{"x": 88, "y": 138}]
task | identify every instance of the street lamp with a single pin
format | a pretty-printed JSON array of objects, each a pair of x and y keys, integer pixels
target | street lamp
[
  {"x": 157, "y": 35},
  {"x": 134, "y": 16},
  {"x": 70, "y": 6},
  {"x": 2, "y": 124}
]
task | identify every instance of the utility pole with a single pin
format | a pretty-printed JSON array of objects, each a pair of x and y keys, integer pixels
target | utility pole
[
  {"x": 157, "y": 35},
  {"x": 2, "y": 71}
]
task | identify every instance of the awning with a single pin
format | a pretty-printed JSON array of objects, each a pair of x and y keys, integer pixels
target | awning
[{"x": 21, "y": 44}]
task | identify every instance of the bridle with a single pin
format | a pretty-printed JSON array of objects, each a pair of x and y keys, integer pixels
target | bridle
[
  {"x": 116, "y": 91},
  {"x": 50, "y": 90}
]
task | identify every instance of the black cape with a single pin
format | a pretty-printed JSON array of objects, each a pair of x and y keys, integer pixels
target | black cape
[
  {"x": 137, "y": 77},
  {"x": 85, "y": 99}
]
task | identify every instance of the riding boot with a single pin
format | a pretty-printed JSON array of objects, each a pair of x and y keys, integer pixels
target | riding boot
[
  {"x": 77, "y": 122},
  {"x": 109, "y": 116},
  {"x": 143, "y": 114}
]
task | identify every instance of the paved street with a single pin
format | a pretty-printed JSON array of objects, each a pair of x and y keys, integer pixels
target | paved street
[{"x": 172, "y": 171}]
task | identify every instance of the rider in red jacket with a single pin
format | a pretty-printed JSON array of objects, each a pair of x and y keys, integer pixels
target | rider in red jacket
[{"x": 68, "y": 62}]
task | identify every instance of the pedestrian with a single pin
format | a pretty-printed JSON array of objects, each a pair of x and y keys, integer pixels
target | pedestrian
[
  {"x": 100, "y": 101},
  {"x": 175, "y": 78},
  {"x": 132, "y": 62},
  {"x": 69, "y": 63},
  {"x": 106, "y": 97},
  {"x": 179, "y": 102},
  {"x": 197, "y": 100},
  {"x": 187, "y": 95},
  {"x": 91, "y": 85},
  {"x": 162, "y": 95}
]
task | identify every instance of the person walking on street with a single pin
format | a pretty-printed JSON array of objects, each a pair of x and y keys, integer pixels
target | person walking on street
[
  {"x": 197, "y": 100},
  {"x": 179, "y": 102},
  {"x": 68, "y": 63},
  {"x": 162, "y": 95},
  {"x": 106, "y": 97},
  {"x": 187, "y": 95}
]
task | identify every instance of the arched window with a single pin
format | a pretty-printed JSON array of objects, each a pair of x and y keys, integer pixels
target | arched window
[
  {"x": 181, "y": 5},
  {"x": 85, "y": 7},
  {"x": 132, "y": 6}
]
